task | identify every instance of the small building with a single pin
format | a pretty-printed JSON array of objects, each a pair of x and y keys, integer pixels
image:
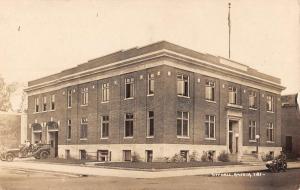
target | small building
[
  {"x": 290, "y": 125},
  {"x": 155, "y": 102},
  {"x": 12, "y": 129}
]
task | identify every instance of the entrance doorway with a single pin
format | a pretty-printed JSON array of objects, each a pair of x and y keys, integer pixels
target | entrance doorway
[
  {"x": 233, "y": 136},
  {"x": 149, "y": 155},
  {"x": 53, "y": 140},
  {"x": 103, "y": 155}
]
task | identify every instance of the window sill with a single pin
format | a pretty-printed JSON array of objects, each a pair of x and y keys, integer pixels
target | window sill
[
  {"x": 150, "y": 137},
  {"x": 51, "y": 110},
  {"x": 211, "y": 139},
  {"x": 252, "y": 141},
  {"x": 83, "y": 139},
  {"x": 183, "y": 137},
  {"x": 69, "y": 107},
  {"x": 83, "y": 105},
  {"x": 181, "y": 96},
  {"x": 211, "y": 101},
  {"x": 270, "y": 112},
  {"x": 105, "y": 102},
  {"x": 128, "y": 137},
  {"x": 68, "y": 139},
  {"x": 131, "y": 98},
  {"x": 103, "y": 138},
  {"x": 150, "y": 94},
  {"x": 271, "y": 142},
  {"x": 44, "y": 111},
  {"x": 254, "y": 109}
]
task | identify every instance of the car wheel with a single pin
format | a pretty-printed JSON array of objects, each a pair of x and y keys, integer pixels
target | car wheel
[
  {"x": 9, "y": 157},
  {"x": 44, "y": 155}
]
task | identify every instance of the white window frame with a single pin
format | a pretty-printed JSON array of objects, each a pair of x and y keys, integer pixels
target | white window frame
[
  {"x": 252, "y": 128},
  {"x": 270, "y": 103},
  {"x": 83, "y": 122},
  {"x": 181, "y": 118},
  {"x": 209, "y": 122},
  {"x": 151, "y": 83},
  {"x": 44, "y": 108},
  {"x": 52, "y": 102},
  {"x": 270, "y": 130},
  {"x": 104, "y": 122},
  {"x": 232, "y": 90},
  {"x": 210, "y": 85},
  {"x": 36, "y": 105},
  {"x": 129, "y": 81},
  {"x": 149, "y": 118},
  {"x": 253, "y": 94},
  {"x": 181, "y": 82},
  {"x": 128, "y": 119},
  {"x": 105, "y": 92},
  {"x": 69, "y": 98},
  {"x": 84, "y": 96}
]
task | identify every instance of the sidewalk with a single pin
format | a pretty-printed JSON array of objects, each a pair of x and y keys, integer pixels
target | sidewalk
[{"x": 96, "y": 171}]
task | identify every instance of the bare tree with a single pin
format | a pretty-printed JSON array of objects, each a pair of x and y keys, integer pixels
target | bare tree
[{"x": 5, "y": 93}]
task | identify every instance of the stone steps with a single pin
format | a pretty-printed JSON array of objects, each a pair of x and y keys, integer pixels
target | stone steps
[{"x": 250, "y": 159}]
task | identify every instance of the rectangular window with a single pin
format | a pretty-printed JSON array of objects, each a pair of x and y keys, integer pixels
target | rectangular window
[
  {"x": 232, "y": 92},
  {"x": 150, "y": 84},
  {"x": 127, "y": 155},
  {"x": 128, "y": 125},
  {"x": 83, "y": 128},
  {"x": 129, "y": 88},
  {"x": 83, "y": 154},
  {"x": 252, "y": 99},
  {"x": 184, "y": 155},
  {"x": 270, "y": 132},
  {"x": 104, "y": 126},
  {"x": 270, "y": 103},
  {"x": 69, "y": 129},
  {"x": 210, "y": 90},
  {"x": 105, "y": 92},
  {"x": 84, "y": 96},
  {"x": 210, "y": 126},
  {"x": 69, "y": 98},
  {"x": 182, "y": 124},
  {"x": 44, "y": 103},
  {"x": 52, "y": 102},
  {"x": 252, "y": 130},
  {"x": 150, "y": 124},
  {"x": 36, "y": 104},
  {"x": 182, "y": 85}
]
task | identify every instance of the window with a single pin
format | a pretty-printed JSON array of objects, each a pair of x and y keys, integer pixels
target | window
[
  {"x": 84, "y": 96},
  {"x": 252, "y": 100},
  {"x": 182, "y": 124},
  {"x": 128, "y": 125},
  {"x": 104, "y": 126},
  {"x": 184, "y": 155},
  {"x": 150, "y": 84},
  {"x": 150, "y": 124},
  {"x": 69, "y": 129},
  {"x": 36, "y": 104},
  {"x": 53, "y": 102},
  {"x": 103, "y": 155},
  {"x": 252, "y": 130},
  {"x": 67, "y": 154},
  {"x": 83, "y": 154},
  {"x": 270, "y": 103},
  {"x": 69, "y": 98},
  {"x": 83, "y": 128},
  {"x": 149, "y": 155},
  {"x": 182, "y": 85},
  {"x": 210, "y": 126},
  {"x": 232, "y": 92},
  {"x": 210, "y": 90},
  {"x": 127, "y": 155},
  {"x": 129, "y": 88},
  {"x": 105, "y": 92},
  {"x": 270, "y": 132},
  {"x": 44, "y": 103}
]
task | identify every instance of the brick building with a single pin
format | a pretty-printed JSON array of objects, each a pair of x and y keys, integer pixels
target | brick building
[
  {"x": 291, "y": 125},
  {"x": 155, "y": 101}
]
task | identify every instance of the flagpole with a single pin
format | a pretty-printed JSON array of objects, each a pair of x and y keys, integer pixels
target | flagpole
[{"x": 229, "y": 28}]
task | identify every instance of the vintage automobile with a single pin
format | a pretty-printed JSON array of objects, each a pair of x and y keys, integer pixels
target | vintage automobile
[{"x": 38, "y": 151}]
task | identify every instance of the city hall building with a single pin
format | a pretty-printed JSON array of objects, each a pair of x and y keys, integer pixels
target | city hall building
[{"x": 154, "y": 102}]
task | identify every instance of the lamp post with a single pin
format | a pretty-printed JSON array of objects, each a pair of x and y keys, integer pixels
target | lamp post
[
  {"x": 236, "y": 142},
  {"x": 257, "y": 139}
]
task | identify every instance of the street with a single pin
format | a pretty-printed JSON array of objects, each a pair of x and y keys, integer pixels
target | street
[{"x": 24, "y": 179}]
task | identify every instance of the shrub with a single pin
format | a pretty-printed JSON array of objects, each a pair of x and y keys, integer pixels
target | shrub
[
  {"x": 204, "y": 157},
  {"x": 135, "y": 157},
  {"x": 193, "y": 156},
  {"x": 223, "y": 157},
  {"x": 176, "y": 158},
  {"x": 266, "y": 157}
]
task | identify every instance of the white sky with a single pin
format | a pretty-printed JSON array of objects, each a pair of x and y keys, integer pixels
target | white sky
[{"x": 56, "y": 35}]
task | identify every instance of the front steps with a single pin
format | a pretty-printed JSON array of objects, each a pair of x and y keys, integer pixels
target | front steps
[{"x": 250, "y": 159}]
